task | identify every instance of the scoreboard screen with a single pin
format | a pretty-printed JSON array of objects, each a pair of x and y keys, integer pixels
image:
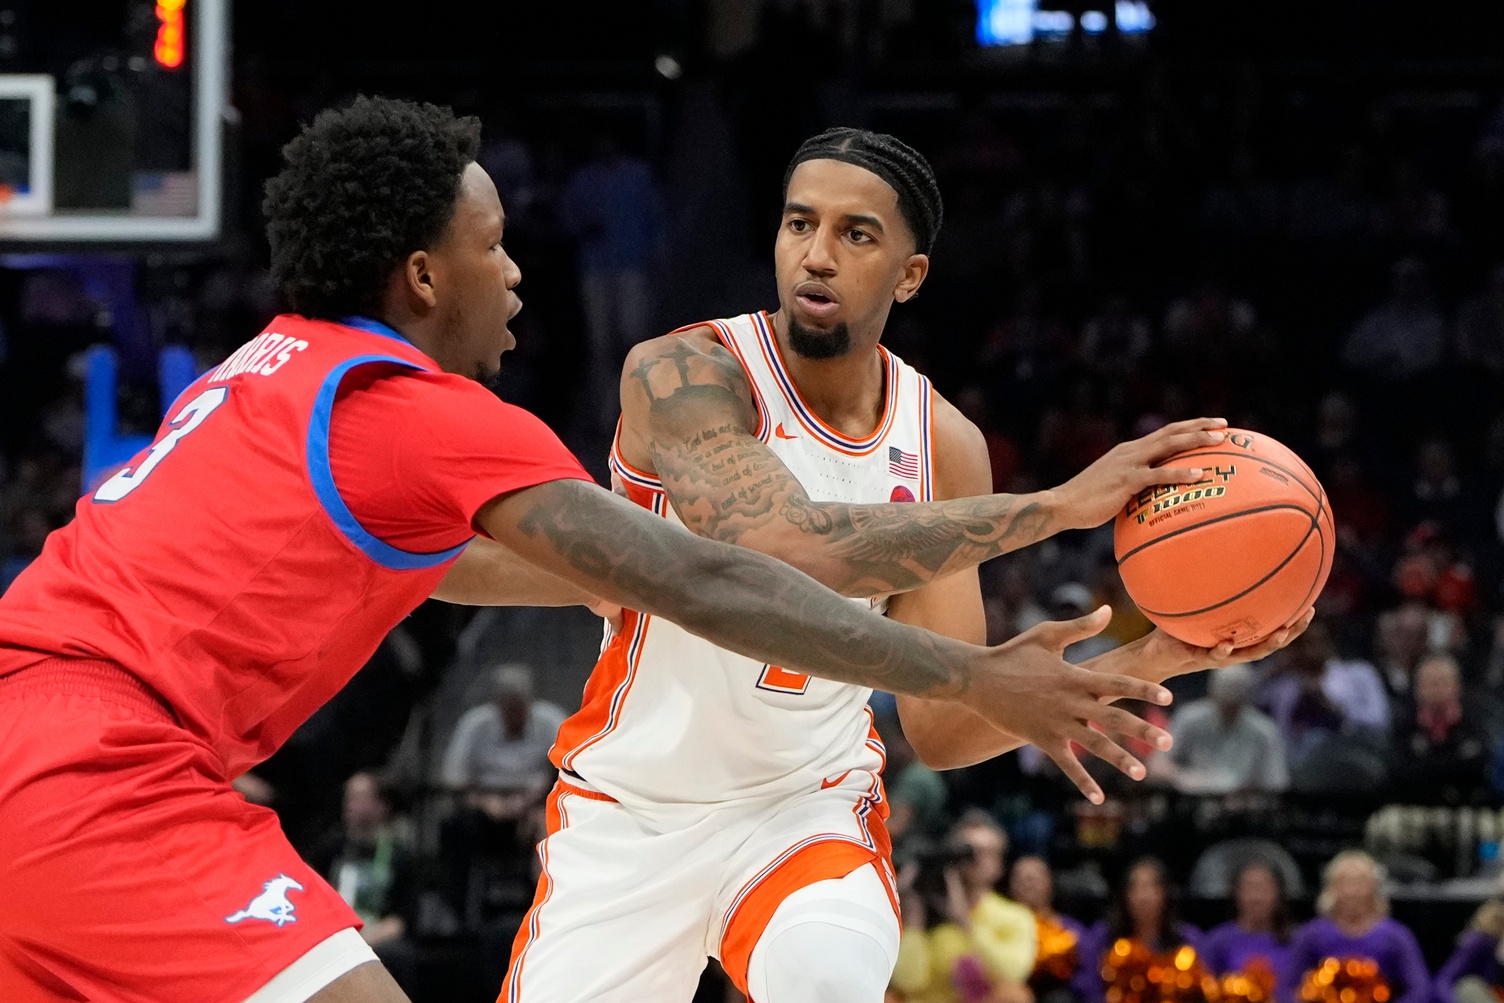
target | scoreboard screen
[{"x": 1022, "y": 22}]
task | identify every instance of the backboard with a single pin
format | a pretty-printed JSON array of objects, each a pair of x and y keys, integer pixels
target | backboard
[{"x": 111, "y": 130}]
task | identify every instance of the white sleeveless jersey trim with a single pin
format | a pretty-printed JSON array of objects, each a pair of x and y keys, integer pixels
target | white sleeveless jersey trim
[
  {"x": 728, "y": 339},
  {"x": 772, "y": 357},
  {"x": 689, "y": 727}
]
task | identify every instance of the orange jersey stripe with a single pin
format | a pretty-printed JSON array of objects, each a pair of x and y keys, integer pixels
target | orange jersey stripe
[
  {"x": 528, "y": 932},
  {"x": 607, "y": 689},
  {"x": 820, "y": 861}
]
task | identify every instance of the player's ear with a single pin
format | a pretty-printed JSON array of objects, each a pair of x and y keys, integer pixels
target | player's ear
[
  {"x": 418, "y": 278},
  {"x": 911, "y": 278}
]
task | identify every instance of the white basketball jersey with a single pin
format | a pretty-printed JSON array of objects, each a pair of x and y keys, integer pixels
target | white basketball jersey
[{"x": 673, "y": 726}]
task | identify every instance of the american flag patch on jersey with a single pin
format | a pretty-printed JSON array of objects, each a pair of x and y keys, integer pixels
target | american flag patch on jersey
[{"x": 901, "y": 464}]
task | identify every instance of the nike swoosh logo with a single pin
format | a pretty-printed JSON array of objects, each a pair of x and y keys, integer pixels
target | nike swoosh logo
[
  {"x": 827, "y": 784},
  {"x": 780, "y": 433}
]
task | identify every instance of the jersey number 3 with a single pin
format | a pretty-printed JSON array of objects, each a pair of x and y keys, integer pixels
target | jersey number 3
[
  {"x": 782, "y": 680},
  {"x": 190, "y": 417}
]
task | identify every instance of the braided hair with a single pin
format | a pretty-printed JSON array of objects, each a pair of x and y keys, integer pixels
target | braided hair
[{"x": 900, "y": 165}]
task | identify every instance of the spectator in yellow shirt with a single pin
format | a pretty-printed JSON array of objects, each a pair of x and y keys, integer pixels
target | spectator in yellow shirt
[{"x": 983, "y": 950}]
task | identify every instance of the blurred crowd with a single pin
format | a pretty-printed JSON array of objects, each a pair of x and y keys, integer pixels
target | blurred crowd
[{"x": 1323, "y": 264}]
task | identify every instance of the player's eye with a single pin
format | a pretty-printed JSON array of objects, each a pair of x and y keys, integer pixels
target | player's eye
[
  {"x": 860, "y": 236},
  {"x": 799, "y": 225}
]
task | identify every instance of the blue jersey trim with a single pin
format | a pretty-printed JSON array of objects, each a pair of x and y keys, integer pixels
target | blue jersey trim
[
  {"x": 322, "y": 476},
  {"x": 372, "y": 326}
]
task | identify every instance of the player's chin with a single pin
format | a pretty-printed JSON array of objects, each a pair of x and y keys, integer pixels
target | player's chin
[{"x": 488, "y": 372}]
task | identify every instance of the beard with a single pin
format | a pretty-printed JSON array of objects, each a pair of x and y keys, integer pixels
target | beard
[{"x": 812, "y": 343}]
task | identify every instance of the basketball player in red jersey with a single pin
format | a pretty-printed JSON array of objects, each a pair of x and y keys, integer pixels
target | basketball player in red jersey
[
  {"x": 299, "y": 500},
  {"x": 779, "y": 433}
]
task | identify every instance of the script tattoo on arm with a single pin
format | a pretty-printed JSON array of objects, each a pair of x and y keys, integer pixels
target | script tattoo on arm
[
  {"x": 726, "y": 484},
  {"x": 733, "y": 597}
]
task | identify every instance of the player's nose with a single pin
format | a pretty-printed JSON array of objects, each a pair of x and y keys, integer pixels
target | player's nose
[{"x": 819, "y": 253}]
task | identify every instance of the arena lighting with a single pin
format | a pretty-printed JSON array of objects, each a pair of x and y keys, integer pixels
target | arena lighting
[
  {"x": 1019, "y": 22},
  {"x": 1093, "y": 22},
  {"x": 1133, "y": 16},
  {"x": 171, "y": 35}
]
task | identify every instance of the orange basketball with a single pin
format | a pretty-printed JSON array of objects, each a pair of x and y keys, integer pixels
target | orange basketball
[{"x": 1235, "y": 556}]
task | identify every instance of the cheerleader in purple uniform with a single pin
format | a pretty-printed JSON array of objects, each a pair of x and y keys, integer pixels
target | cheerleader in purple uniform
[
  {"x": 1474, "y": 972},
  {"x": 1143, "y": 913},
  {"x": 1354, "y": 924},
  {"x": 1253, "y": 945}
]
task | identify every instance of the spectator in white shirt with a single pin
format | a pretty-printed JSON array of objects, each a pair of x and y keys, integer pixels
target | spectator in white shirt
[
  {"x": 498, "y": 756},
  {"x": 1222, "y": 744}
]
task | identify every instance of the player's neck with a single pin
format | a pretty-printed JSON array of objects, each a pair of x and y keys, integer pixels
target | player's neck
[
  {"x": 419, "y": 334},
  {"x": 846, "y": 392}
]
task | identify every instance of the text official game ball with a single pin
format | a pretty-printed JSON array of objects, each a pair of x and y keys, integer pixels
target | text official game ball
[{"x": 1235, "y": 556}]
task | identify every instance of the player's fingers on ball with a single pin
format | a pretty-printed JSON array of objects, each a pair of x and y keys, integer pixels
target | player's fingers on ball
[
  {"x": 1106, "y": 684},
  {"x": 1181, "y": 441},
  {"x": 1112, "y": 753},
  {"x": 1299, "y": 624},
  {"x": 1066, "y": 759},
  {"x": 1196, "y": 425},
  {"x": 1172, "y": 475}
]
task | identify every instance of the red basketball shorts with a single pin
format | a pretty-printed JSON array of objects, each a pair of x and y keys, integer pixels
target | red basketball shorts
[{"x": 130, "y": 870}]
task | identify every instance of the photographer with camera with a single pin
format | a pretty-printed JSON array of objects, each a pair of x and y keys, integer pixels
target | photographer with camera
[{"x": 984, "y": 946}]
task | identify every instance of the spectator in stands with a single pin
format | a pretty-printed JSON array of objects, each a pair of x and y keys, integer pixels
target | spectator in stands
[
  {"x": 1405, "y": 335},
  {"x": 1403, "y": 638},
  {"x": 1143, "y": 914},
  {"x": 1222, "y": 743},
  {"x": 1354, "y": 924},
  {"x": 984, "y": 950},
  {"x": 1441, "y": 753},
  {"x": 369, "y": 862},
  {"x": 1438, "y": 493},
  {"x": 1253, "y": 945},
  {"x": 497, "y": 762},
  {"x": 1031, "y": 884},
  {"x": 498, "y": 755},
  {"x": 612, "y": 204},
  {"x": 1474, "y": 974},
  {"x": 1332, "y": 712}
]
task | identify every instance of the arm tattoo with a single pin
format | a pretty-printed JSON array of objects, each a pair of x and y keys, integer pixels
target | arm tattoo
[
  {"x": 729, "y": 486},
  {"x": 731, "y": 596}
]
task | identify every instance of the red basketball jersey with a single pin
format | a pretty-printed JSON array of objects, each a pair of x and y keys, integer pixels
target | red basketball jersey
[{"x": 222, "y": 566}]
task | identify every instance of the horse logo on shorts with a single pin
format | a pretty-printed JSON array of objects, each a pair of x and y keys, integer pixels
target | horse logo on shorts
[{"x": 272, "y": 904}]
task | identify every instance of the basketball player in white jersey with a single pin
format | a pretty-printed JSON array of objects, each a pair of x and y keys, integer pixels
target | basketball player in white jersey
[{"x": 738, "y": 813}]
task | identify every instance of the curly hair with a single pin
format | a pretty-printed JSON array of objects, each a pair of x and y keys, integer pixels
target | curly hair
[{"x": 362, "y": 187}]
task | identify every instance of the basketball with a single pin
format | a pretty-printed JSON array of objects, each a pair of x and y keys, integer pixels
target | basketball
[{"x": 1235, "y": 556}]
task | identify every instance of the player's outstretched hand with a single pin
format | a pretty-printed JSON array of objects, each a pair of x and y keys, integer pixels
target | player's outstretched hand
[
  {"x": 1030, "y": 692},
  {"x": 1095, "y": 494}
]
